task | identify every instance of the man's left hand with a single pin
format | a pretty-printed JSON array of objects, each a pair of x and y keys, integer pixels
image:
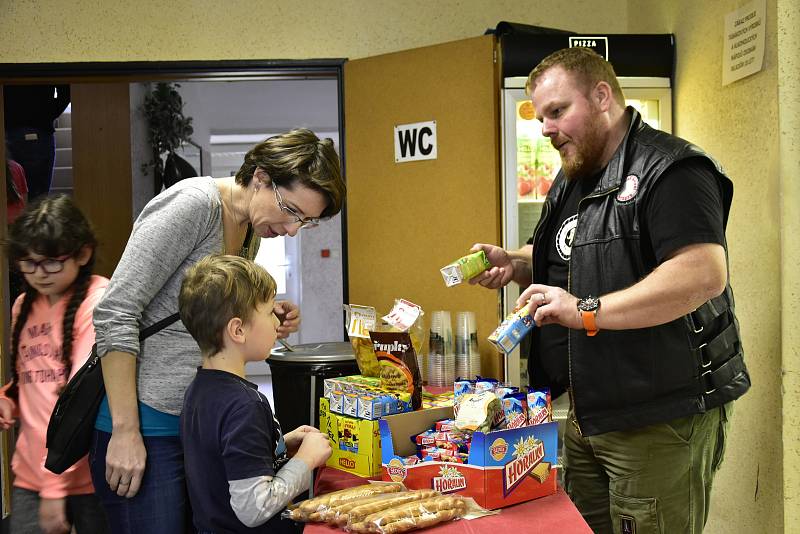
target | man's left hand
[
  {"x": 289, "y": 315},
  {"x": 551, "y": 305}
]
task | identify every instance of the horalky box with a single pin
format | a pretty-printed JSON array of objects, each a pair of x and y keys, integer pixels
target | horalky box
[{"x": 504, "y": 467}]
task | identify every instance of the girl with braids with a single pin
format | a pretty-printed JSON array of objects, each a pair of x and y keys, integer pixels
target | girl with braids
[{"x": 52, "y": 244}]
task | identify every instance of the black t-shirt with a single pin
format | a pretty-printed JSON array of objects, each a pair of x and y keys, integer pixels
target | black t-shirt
[
  {"x": 552, "y": 338},
  {"x": 228, "y": 432},
  {"x": 684, "y": 208}
]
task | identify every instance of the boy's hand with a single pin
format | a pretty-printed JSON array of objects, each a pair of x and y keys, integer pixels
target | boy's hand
[
  {"x": 294, "y": 438},
  {"x": 289, "y": 315},
  {"x": 315, "y": 449},
  {"x": 6, "y": 415},
  {"x": 53, "y": 516}
]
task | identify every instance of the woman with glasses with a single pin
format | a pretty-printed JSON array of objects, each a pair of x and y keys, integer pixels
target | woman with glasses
[{"x": 286, "y": 183}]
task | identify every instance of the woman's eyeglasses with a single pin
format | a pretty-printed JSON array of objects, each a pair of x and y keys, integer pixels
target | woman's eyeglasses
[
  {"x": 307, "y": 222},
  {"x": 49, "y": 265}
]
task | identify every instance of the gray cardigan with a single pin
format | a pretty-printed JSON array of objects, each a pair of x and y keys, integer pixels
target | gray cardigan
[{"x": 175, "y": 230}]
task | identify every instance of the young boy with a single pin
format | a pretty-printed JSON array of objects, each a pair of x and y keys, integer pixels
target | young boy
[{"x": 234, "y": 453}]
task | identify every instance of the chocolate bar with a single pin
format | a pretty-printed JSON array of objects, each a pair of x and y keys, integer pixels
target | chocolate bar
[{"x": 541, "y": 472}]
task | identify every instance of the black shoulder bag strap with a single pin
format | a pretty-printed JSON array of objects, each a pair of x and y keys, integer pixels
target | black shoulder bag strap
[{"x": 160, "y": 325}]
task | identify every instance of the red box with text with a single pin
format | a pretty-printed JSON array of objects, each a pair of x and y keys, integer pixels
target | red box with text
[{"x": 504, "y": 467}]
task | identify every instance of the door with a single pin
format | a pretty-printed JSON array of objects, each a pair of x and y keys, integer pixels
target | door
[
  {"x": 407, "y": 220},
  {"x": 101, "y": 155}
]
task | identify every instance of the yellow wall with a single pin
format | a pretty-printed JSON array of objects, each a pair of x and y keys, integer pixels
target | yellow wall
[
  {"x": 739, "y": 125},
  {"x": 788, "y": 16},
  {"x": 150, "y": 30}
]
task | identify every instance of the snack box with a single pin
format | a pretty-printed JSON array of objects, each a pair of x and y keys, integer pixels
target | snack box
[
  {"x": 511, "y": 331},
  {"x": 356, "y": 443},
  {"x": 359, "y": 396},
  {"x": 504, "y": 467},
  {"x": 464, "y": 268},
  {"x": 349, "y": 384}
]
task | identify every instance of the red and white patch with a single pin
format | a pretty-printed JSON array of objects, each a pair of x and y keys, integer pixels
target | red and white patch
[{"x": 630, "y": 188}]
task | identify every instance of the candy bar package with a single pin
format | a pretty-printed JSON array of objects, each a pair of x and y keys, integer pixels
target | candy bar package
[
  {"x": 464, "y": 268},
  {"x": 399, "y": 370},
  {"x": 515, "y": 408},
  {"x": 360, "y": 320},
  {"x": 511, "y": 331},
  {"x": 540, "y": 408}
]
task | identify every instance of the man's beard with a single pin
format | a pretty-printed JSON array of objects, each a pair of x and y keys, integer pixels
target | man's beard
[{"x": 585, "y": 160}]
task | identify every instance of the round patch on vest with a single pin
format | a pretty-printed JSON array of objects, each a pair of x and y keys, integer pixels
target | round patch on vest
[
  {"x": 564, "y": 237},
  {"x": 630, "y": 188}
]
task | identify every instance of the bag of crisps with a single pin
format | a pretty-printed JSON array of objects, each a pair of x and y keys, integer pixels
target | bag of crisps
[
  {"x": 360, "y": 320},
  {"x": 399, "y": 370}
]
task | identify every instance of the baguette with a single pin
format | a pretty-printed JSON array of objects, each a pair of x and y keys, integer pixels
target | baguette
[
  {"x": 331, "y": 513},
  {"x": 411, "y": 514},
  {"x": 363, "y": 509},
  {"x": 405, "y": 525},
  {"x": 322, "y": 502}
]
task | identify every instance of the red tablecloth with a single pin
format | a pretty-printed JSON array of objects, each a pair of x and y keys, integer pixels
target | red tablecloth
[{"x": 554, "y": 513}]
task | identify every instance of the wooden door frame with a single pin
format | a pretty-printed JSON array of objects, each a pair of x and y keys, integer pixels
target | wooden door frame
[{"x": 144, "y": 71}]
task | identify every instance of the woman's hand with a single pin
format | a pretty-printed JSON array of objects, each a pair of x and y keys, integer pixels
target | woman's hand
[
  {"x": 6, "y": 415},
  {"x": 126, "y": 458},
  {"x": 294, "y": 438},
  {"x": 53, "y": 516},
  {"x": 289, "y": 315}
]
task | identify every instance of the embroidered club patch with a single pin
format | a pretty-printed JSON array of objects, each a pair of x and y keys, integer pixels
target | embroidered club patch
[
  {"x": 630, "y": 188},
  {"x": 564, "y": 237}
]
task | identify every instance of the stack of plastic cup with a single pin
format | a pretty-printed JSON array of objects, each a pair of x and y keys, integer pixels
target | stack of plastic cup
[
  {"x": 441, "y": 359},
  {"x": 467, "y": 356}
]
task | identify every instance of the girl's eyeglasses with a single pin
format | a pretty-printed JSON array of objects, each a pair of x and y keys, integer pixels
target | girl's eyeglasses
[
  {"x": 49, "y": 265},
  {"x": 308, "y": 222}
]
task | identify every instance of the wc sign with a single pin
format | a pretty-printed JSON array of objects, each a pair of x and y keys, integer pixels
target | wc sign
[{"x": 414, "y": 142}]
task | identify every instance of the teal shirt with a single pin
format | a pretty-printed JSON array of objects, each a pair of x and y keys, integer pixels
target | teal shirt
[{"x": 152, "y": 422}]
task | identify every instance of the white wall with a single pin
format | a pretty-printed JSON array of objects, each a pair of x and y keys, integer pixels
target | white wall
[{"x": 268, "y": 107}]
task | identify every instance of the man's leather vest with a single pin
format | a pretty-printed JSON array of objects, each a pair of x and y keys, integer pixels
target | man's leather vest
[{"x": 623, "y": 379}]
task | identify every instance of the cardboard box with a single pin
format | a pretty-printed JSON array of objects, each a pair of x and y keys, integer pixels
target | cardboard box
[
  {"x": 504, "y": 467},
  {"x": 356, "y": 443},
  {"x": 359, "y": 396}
]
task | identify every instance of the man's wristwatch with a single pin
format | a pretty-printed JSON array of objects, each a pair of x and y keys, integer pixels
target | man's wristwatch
[{"x": 588, "y": 307}]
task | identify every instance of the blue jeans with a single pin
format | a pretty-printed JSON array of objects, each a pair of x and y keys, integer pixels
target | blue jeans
[
  {"x": 162, "y": 504},
  {"x": 84, "y": 513}
]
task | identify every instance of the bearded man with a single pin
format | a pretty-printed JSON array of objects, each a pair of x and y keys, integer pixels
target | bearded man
[{"x": 626, "y": 275}]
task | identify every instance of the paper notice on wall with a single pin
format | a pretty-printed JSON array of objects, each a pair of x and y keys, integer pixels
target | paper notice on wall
[{"x": 743, "y": 43}]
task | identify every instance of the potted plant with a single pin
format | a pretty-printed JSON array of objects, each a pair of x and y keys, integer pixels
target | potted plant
[{"x": 167, "y": 129}]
